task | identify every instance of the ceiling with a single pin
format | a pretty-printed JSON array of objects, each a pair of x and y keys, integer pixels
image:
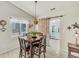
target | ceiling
[{"x": 43, "y": 7}]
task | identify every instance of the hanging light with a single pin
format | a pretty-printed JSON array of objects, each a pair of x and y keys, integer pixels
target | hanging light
[{"x": 35, "y": 20}]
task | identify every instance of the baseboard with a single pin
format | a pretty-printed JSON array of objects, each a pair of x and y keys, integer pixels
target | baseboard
[{"x": 9, "y": 49}]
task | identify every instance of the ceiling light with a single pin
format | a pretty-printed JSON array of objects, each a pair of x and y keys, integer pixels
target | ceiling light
[{"x": 35, "y": 20}]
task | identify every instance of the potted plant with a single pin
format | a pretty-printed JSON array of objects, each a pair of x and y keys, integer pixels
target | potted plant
[{"x": 33, "y": 34}]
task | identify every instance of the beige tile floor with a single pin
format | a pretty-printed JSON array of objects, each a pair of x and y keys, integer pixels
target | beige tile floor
[
  {"x": 50, "y": 53},
  {"x": 15, "y": 53}
]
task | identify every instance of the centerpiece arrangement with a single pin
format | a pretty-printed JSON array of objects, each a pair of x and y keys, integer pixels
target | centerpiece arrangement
[{"x": 34, "y": 34}]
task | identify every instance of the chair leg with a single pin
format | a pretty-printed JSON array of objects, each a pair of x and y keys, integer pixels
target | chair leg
[
  {"x": 44, "y": 54},
  {"x": 39, "y": 52},
  {"x": 32, "y": 55},
  {"x": 20, "y": 54},
  {"x": 44, "y": 51},
  {"x": 39, "y": 55},
  {"x": 25, "y": 53}
]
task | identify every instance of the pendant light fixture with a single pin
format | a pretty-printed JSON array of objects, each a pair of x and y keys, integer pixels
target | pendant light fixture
[{"x": 35, "y": 20}]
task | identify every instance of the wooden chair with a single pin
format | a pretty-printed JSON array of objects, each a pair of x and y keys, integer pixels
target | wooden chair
[
  {"x": 43, "y": 45},
  {"x": 40, "y": 48},
  {"x": 36, "y": 45},
  {"x": 26, "y": 47},
  {"x": 23, "y": 47}
]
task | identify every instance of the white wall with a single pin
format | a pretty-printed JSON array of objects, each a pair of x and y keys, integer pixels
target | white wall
[
  {"x": 71, "y": 11},
  {"x": 7, "y": 42}
]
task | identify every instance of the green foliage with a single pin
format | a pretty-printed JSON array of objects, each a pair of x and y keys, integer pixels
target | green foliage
[{"x": 33, "y": 34}]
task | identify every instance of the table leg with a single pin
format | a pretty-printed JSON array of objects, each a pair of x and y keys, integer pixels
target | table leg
[{"x": 30, "y": 49}]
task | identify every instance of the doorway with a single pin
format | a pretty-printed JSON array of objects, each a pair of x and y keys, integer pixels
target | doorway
[{"x": 54, "y": 34}]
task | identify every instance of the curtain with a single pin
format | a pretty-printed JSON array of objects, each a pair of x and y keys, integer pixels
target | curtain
[{"x": 43, "y": 26}]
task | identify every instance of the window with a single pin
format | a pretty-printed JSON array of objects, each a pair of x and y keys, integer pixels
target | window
[
  {"x": 15, "y": 27},
  {"x": 23, "y": 27},
  {"x": 19, "y": 26}
]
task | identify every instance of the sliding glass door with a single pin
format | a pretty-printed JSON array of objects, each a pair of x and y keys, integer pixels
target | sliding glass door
[
  {"x": 54, "y": 26},
  {"x": 54, "y": 34}
]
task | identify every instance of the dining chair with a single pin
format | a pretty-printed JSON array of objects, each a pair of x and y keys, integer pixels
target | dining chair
[
  {"x": 40, "y": 48},
  {"x": 43, "y": 45},
  {"x": 24, "y": 46},
  {"x": 33, "y": 45}
]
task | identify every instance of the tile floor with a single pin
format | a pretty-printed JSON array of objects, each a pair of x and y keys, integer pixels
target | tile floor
[{"x": 15, "y": 54}]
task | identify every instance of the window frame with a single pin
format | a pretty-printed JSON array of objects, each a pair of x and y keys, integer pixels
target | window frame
[{"x": 21, "y": 21}]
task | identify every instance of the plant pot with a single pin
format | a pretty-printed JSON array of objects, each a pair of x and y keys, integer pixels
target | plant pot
[{"x": 34, "y": 37}]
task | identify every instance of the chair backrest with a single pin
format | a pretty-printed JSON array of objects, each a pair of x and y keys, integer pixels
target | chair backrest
[
  {"x": 44, "y": 37},
  {"x": 43, "y": 40},
  {"x": 22, "y": 43},
  {"x": 43, "y": 44}
]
